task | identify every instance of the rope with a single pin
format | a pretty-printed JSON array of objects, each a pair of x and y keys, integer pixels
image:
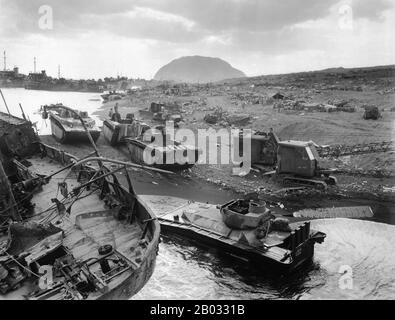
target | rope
[{"x": 22, "y": 266}]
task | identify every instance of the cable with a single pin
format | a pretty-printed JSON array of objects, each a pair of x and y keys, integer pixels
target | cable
[{"x": 21, "y": 265}]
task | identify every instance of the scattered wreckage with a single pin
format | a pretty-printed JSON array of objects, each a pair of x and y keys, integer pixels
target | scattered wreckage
[
  {"x": 161, "y": 112},
  {"x": 371, "y": 113},
  {"x": 218, "y": 116}
]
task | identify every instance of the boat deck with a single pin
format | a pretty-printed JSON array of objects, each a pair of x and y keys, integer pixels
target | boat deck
[
  {"x": 206, "y": 216},
  {"x": 76, "y": 124},
  {"x": 83, "y": 235},
  {"x": 88, "y": 226},
  {"x": 205, "y": 220}
]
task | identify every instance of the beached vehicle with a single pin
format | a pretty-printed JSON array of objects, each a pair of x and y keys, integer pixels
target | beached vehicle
[
  {"x": 68, "y": 228},
  {"x": 115, "y": 132},
  {"x": 161, "y": 113},
  {"x": 172, "y": 155},
  {"x": 257, "y": 237},
  {"x": 146, "y": 150},
  {"x": 159, "y": 150},
  {"x": 66, "y": 127},
  {"x": 112, "y": 96}
]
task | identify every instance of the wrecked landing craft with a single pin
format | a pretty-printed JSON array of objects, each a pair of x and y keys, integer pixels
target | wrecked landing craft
[
  {"x": 256, "y": 237},
  {"x": 96, "y": 237},
  {"x": 67, "y": 126}
]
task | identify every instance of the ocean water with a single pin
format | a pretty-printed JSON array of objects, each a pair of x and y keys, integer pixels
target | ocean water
[
  {"x": 32, "y": 100},
  {"x": 365, "y": 249}
]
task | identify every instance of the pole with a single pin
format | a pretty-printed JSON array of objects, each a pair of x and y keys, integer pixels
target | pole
[
  {"x": 23, "y": 113},
  {"x": 1, "y": 92},
  {"x": 122, "y": 163}
]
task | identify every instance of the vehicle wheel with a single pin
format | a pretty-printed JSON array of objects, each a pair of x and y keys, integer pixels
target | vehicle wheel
[
  {"x": 332, "y": 181},
  {"x": 106, "y": 249}
]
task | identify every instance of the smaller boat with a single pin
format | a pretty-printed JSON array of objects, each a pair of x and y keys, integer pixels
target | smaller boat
[
  {"x": 112, "y": 96},
  {"x": 247, "y": 231},
  {"x": 67, "y": 127}
]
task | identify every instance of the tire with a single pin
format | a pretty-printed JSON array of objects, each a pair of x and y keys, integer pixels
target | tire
[{"x": 105, "y": 249}]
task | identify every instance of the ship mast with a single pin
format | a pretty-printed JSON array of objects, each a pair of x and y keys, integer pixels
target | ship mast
[
  {"x": 58, "y": 71},
  {"x": 5, "y": 61},
  {"x": 34, "y": 64}
]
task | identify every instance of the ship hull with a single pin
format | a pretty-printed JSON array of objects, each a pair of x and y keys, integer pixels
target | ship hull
[
  {"x": 304, "y": 256},
  {"x": 136, "y": 281},
  {"x": 45, "y": 87},
  {"x": 81, "y": 235},
  {"x": 137, "y": 148},
  {"x": 277, "y": 252},
  {"x": 64, "y": 135}
]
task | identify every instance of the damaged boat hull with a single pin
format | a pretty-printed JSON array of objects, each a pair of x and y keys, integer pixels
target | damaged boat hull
[
  {"x": 282, "y": 249},
  {"x": 66, "y": 135},
  {"x": 99, "y": 239},
  {"x": 304, "y": 256},
  {"x": 137, "y": 149}
]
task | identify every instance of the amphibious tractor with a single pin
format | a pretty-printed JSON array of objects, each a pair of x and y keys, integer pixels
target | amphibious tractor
[{"x": 297, "y": 162}]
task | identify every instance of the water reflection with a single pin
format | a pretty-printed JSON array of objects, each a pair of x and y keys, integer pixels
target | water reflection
[
  {"x": 32, "y": 100},
  {"x": 185, "y": 271}
]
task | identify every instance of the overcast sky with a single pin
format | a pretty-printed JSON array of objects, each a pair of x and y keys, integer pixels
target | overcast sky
[{"x": 134, "y": 38}]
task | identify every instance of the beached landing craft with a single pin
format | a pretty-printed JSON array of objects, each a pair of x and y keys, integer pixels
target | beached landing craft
[
  {"x": 170, "y": 155},
  {"x": 67, "y": 127},
  {"x": 80, "y": 235},
  {"x": 246, "y": 230},
  {"x": 112, "y": 96},
  {"x": 115, "y": 132}
]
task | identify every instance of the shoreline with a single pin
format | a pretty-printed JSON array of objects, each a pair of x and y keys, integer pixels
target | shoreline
[
  {"x": 193, "y": 184},
  {"x": 356, "y": 173}
]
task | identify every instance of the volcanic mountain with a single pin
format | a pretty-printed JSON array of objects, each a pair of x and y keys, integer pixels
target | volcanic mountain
[{"x": 197, "y": 69}]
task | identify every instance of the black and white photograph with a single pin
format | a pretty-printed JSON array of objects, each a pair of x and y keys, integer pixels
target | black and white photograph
[{"x": 193, "y": 156}]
